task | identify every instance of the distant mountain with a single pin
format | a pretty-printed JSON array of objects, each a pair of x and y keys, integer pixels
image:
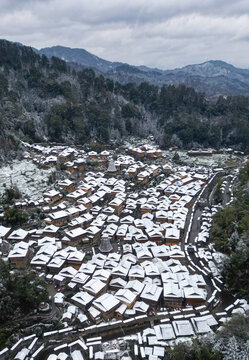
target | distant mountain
[
  {"x": 212, "y": 77},
  {"x": 79, "y": 56},
  {"x": 212, "y": 68}
]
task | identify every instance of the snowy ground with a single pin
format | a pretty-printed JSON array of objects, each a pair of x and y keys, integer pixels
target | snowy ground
[
  {"x": 29, "y": 179},
  {"x": 216, "y": 160}
]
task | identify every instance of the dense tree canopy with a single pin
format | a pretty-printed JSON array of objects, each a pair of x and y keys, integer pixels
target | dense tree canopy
[
  {"x": 19, "y": 293},
  {"x": 230, "y": 234}
]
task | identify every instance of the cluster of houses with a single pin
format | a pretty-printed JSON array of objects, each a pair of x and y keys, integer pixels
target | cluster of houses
[
  {"x": 114, "y": 252},
  {"x": 145, "y": 151},
  {"x": 152, "y": 342},
  {"x": 74, "y": 160}
]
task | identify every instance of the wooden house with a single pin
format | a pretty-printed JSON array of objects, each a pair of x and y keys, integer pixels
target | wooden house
[
  {"x": 106, "y": 304},
  {"x": 51, "y": 231},
  {"x": 80, "y": 164},
  {"x": 95, "y": 287},
  {"x": 151, "y": 294},
  {"x": 93, "y": 155},
  {"x": 82, "y": 299},
  {"x": 117, "y": 204},
  {"x": 58, "y": 218},
  {"x": 19, "y": 256},
  {"x": 172, "y": 236},
  {"x": 66, "y": 185},
  {"x": 143, "y": 177},
  {"x": 52, "y": 196},
  {"x": 172, "y": 294},
  {"x": 194, "y": 296},
  {"x": 4, "y": 232},
  {"x": 126, "y": 297}
]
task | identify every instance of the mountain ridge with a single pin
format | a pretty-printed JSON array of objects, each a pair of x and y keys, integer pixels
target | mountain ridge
[
  {"x": 140, "y": 67},
  {"x": 214, "y": 77}
]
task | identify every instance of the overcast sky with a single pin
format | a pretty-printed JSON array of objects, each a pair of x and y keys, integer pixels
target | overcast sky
[{"x": 157, "y": 33}]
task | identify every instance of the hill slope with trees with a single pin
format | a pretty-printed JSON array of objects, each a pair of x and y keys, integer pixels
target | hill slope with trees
[
  {"x": 45, "y": 99},
  {"x": 230, "y": 234}
]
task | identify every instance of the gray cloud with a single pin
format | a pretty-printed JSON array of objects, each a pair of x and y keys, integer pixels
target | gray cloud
[{"x": 165, "y": 34}]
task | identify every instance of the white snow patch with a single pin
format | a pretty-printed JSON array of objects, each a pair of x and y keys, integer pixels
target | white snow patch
[{"x": 30, "y": 180}]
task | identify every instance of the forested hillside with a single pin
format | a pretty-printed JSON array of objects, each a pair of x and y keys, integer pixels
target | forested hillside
[
  {"x": 44, "y": 99},
  {"x": 230, "y": 234}
]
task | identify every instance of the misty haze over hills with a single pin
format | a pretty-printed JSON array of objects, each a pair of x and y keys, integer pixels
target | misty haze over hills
[{"x": 213, "y": 77}]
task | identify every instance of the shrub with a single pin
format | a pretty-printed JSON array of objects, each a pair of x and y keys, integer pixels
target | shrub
[
  {"x": 13, "y": 216},
  {"x": 10, "y": 194}
]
